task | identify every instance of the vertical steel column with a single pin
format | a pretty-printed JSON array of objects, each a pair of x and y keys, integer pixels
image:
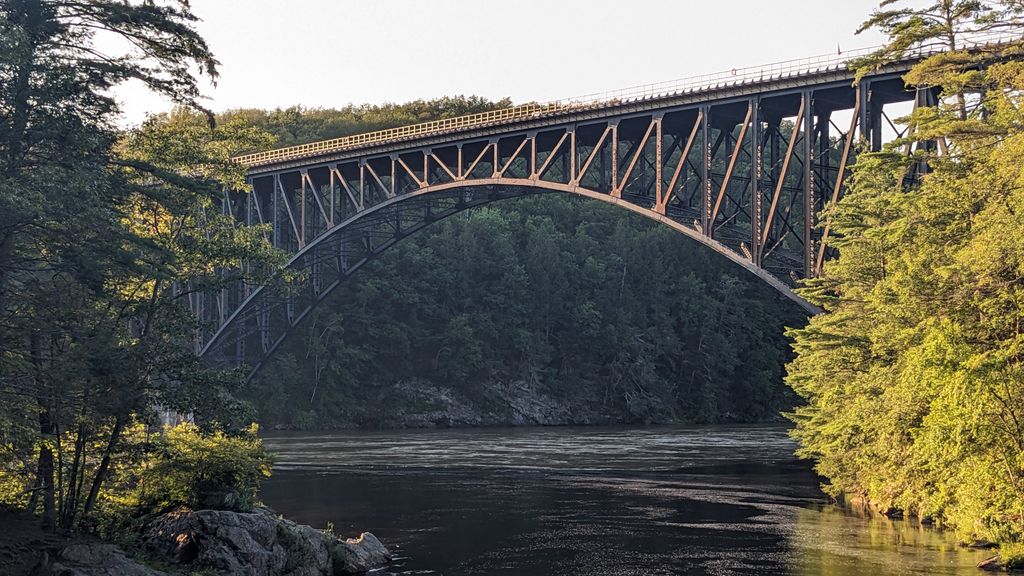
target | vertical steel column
[
  {"x": 533, "y": 153},
  {"x": 615, "y": 159},
  {"x": 335, "y": 196},
  {"x": 808, "y": 106},
  {"x": 572, "y": 154},
  {"x": 302, "y": 214},
  {"x": 362, "y": 182},
  {"x": 705, "y": 168},
  {"x": 659, "y": 161},
  {"x": 756, "y": 149},
  {"x": 394, "y": 171},
  {"x": 495, "y": 172},
  {"x": 274, "y": 223},
  {"x": 865, "y": 116}
]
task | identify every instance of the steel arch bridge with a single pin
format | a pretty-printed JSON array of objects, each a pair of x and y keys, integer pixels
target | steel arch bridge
[{"x": 743, "y": 162}]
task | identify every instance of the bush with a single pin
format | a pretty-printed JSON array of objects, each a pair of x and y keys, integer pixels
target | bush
[{"x": 192, "y": 469}]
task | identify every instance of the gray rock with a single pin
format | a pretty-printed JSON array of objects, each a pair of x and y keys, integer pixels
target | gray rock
[
  {"x": 358, "y": 555},
  {"x": 91, "y": 560},
  {"x": 257, "y": 543}
]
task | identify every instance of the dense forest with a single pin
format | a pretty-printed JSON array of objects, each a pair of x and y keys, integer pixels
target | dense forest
[
  {"x": 540, "y": 310},
  {"x": 914, "y": 378},
  {"x": 545, "y": 309}
]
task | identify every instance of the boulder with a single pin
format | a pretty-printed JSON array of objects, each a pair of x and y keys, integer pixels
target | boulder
[
  {"x": 358, "y": 555},
  {"x": 89, "y": 559},
  {"x": 257, "y": 543}
]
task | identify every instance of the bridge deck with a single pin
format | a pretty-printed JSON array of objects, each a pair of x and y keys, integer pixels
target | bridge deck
[{"x": 754, "y": 76}]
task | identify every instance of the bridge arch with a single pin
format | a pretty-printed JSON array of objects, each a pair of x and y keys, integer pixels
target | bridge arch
[
  {"x": 746, "y": 169},
  {"x": 249, "y": 335}
]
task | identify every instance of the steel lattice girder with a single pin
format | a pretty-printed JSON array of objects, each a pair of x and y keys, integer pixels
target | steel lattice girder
[{"x": 746, "y": 173}]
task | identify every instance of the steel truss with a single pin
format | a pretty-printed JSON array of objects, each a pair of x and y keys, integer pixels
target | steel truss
[{"x": 747, "y": 175}]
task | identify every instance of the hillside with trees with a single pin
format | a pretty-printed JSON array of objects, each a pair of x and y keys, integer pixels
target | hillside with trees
[{"x": 540, "y": 310}]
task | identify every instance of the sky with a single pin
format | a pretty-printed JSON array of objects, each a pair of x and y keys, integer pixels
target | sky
[{"x": 328, "y": 53}]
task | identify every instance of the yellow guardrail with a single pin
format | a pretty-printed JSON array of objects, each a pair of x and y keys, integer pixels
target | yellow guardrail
[{"x": 403, "y": 132}]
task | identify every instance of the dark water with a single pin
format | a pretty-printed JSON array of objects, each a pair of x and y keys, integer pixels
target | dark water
[{"x": 593, "y": 501}]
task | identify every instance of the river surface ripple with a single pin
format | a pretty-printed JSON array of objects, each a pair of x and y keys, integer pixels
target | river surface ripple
[{"x": 715, "y": 500}]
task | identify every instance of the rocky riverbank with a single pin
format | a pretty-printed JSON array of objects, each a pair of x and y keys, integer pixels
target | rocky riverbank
[
  {"x": 258, "y": 543},
  {"x": 230, "y": 543}
]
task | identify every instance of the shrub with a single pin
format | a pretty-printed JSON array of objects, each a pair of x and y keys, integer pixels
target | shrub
[{"x": 193, "y": 469}]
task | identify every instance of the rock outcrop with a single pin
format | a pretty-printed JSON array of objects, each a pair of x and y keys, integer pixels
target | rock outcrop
[
  {"x": 91, "y": 559},
  {"x": 356, "y": 555},
  {"x": 258, "y": 543}
]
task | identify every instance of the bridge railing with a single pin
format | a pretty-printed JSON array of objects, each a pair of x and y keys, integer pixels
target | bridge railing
[{"x": 737, "y": 76}]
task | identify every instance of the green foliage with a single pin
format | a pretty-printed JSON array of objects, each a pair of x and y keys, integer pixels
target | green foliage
[
  {"x": 184, "y": 465},
  {"x": 94, "y": 233},
  {"x": 619, "y": 318},
  {"x": 914, "y": 380}
]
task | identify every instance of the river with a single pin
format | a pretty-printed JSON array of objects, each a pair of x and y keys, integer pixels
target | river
[{"x": 717, "y": 500}]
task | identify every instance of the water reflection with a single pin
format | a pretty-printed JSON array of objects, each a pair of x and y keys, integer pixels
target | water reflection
[
  {"x": 593, "y": 501},
  {"x": 829, "y": 541}
]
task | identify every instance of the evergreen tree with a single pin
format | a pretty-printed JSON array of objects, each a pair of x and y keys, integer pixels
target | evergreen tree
[
  {"x": 93, "y": 234},
  {"x": 913, "y": 377}
]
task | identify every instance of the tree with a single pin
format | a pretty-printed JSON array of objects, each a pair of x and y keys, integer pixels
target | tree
[
  {"x": 913, "y": 376},
  {"x": 94, "y": 235}
]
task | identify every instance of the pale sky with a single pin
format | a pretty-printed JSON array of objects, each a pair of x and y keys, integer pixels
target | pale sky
[{"x": 328, "y": 53}]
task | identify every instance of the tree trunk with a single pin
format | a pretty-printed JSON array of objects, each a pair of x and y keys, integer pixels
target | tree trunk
[
  {"x": 101, "y": 472},
  {"x": 45, "y": 469},
  {"x": 74, "y": 475}
]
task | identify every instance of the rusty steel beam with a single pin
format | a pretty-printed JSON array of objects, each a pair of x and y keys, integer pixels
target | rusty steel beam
[
  {"x": 658, "y": 168},
  {"x": 288, "y": 209},
  {"x": 617, "y": 190},
  {"x": 420, "y": 183},
  {"x": 479, "y": 158},
  {"x": 732, "y": 164},
  {"x": 511, "y": 159},
  {"x": 336, "y": 175},
  {"x": 593, "y": 153},
  {"x": 316, "y": 196},
  {"x": 547, "y": 161},
  {"x": 387, "y": 192},
  {"x": 670, "y": 191},
  {"x": 615, "y": 159},
  {"x": 784, "y": 171},
  {"x": 443, "y": 165}
]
